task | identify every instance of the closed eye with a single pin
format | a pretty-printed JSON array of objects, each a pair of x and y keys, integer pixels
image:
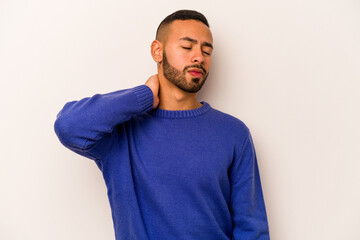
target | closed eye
[{"x": 186, "y": 48}]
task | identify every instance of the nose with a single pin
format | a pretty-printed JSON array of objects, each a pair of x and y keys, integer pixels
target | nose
[{"x": 198, "y": 57}]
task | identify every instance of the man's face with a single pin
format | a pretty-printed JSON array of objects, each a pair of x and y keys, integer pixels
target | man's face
[{"x": 187, "y": 54}]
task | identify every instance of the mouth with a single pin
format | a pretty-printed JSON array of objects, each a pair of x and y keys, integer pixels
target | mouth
[{"x": 196, "y": 72}]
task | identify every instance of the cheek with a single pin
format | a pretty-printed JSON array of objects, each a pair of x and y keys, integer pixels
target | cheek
[
  {"x": 208, "y": 64},
  {"x": 177, "y": 59}
]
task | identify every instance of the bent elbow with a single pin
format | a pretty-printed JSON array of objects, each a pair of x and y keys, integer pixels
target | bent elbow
[{"x": 64, "y": 131}]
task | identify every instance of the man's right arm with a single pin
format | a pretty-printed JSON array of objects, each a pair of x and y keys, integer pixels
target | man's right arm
[{"x": 86, "y": 126}]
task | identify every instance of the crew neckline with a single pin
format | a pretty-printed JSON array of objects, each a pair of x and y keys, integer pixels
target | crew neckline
[{"x": 181, "y": 113}]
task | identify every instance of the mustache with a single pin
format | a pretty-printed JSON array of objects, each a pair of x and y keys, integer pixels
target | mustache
[{"x": 195, "y": 66}]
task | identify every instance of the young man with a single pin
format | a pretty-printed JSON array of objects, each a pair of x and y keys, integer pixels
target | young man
[{"x": 175, "y": 168}]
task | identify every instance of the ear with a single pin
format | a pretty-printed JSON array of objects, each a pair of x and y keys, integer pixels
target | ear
[{"x": 156, "y": 51}]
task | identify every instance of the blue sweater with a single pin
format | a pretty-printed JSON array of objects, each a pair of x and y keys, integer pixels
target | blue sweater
[{"x": 189, "y": 174}]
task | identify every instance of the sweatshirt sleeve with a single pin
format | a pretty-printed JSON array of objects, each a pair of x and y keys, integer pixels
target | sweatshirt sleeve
[
  {"x": 247, "y": 203},
  {"x": 87, "y": 126}
]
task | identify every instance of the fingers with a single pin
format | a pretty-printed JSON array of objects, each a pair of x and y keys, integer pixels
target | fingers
[{"x": 153, "y": 84}]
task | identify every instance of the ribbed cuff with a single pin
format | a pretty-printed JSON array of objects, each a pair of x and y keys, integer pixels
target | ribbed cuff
[{"x": 145, "y": 97}]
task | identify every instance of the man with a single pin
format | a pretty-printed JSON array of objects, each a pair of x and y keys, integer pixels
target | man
[{"x": 175, "y": 168}]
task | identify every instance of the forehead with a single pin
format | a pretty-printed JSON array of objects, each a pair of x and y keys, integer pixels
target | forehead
[{"x": 189, "y": 28}]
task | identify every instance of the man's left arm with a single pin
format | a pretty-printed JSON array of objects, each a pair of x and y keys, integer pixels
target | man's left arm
[{"x": 247, "y": 203}]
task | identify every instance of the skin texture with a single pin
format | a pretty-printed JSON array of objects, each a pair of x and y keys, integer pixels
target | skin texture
[
  {"x": 153, "y": 84},
  {"x": 178, "y": 78},
  {"x": 185, "y": 47}
]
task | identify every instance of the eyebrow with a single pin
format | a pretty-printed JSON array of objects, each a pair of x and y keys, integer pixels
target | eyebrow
[{"x": 196, "y": 41}]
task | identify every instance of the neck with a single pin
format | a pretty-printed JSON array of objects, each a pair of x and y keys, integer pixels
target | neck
[{"x": 173, "y": 98}]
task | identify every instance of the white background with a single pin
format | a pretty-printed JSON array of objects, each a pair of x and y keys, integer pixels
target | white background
[{"x": 289, "y": 69}]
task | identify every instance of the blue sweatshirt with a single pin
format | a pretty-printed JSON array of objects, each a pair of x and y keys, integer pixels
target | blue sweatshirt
[{"x": 189, "y": 174}]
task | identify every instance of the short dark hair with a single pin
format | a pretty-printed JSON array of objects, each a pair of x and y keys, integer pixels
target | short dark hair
[{"x": 182, "y": 15}]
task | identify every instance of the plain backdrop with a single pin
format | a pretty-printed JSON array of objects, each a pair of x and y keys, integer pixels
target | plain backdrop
[{"x": 290, "y": 70}]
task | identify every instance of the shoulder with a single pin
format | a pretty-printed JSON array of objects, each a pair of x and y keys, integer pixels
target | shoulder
[{"x": 229, "y": 122}]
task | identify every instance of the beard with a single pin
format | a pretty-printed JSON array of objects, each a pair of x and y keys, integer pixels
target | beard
[{"x": 178, "y": 78}]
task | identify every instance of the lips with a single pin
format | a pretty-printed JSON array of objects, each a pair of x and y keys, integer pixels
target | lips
[{"x": 196, "y": 72}]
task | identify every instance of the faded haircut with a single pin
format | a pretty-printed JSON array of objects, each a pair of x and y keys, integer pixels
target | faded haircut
[{"x": 180, "y": 15}]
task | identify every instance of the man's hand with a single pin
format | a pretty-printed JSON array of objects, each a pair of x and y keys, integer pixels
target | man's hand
[{"x": 153, "y": 84}]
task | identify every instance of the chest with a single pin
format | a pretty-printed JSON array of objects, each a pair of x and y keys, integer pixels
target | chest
[{"x": 192, "y": 151}]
